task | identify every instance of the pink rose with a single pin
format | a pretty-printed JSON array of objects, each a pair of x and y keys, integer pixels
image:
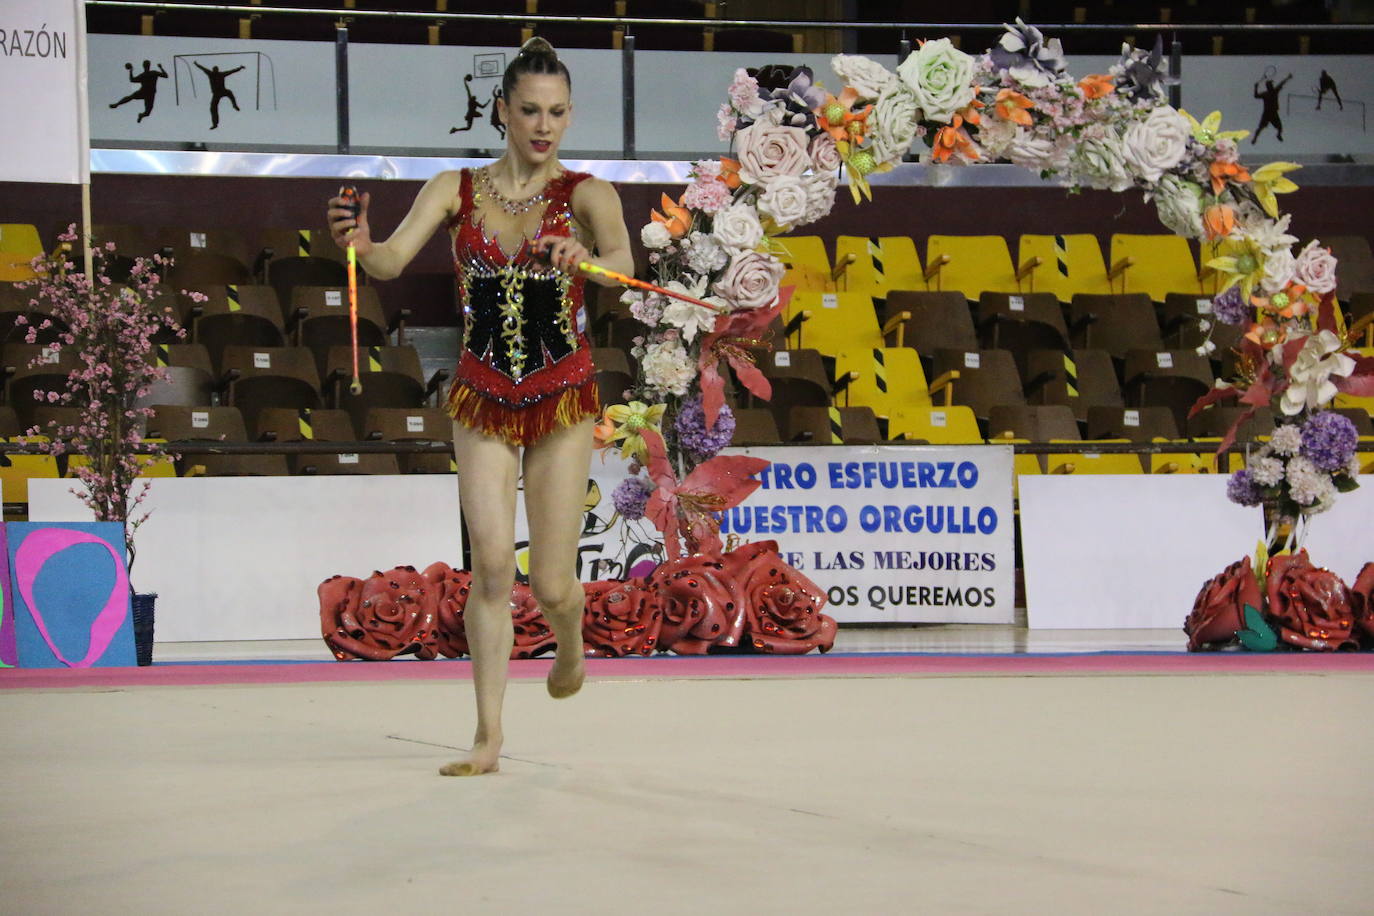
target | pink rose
[
  {"x": 825, "y": 155},
  {"x": 1316, "y": 268},
  {"x": 751, "y": 280},
  {"x": 767, "y": 150}
]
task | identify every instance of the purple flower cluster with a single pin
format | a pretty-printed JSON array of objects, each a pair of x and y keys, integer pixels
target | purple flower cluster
[
  {"x": 1242, "y": 489},
  {"x": 630, "y": 497},
  {"x": 692, "y": 433},
  {"x": 1230, "y": 308},
  {"x": 1329, "y": 440}
]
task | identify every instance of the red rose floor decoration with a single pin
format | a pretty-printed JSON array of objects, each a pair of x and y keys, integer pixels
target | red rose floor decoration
[
  {"x": 1294, "y": 604},
  {"x": 745, "y": 599}
]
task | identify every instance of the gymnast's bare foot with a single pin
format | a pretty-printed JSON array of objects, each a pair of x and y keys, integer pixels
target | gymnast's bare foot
[
  {"x": 568, "y": 671},
  {"x": 484, "y": 758}
]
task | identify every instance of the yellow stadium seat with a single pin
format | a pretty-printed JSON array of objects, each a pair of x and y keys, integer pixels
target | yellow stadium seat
[
  {"x": 17, "y": 470},
  {"x": 936, "y": 425},
  {"x": 836, "y": 322},
  {"x": 970, "y": 264},
  {"x": 1178, "y": 462},
  {"x": 886, "y": 378},
  {"x": 877, "y": 265},
  {"x": 808, "y": 266},
  {"x": 1020, "y": 463},
  {"x": 161, "y": 467},
  {"x": 1081, "y": 459},
  {"x": 1154, "y": 264},
  {"x": 1211, "y": 464},
  {"x": 19, "y": 245},
  {"x": 1068, "y": 264},
  {"x": 1347, "y": 400}
]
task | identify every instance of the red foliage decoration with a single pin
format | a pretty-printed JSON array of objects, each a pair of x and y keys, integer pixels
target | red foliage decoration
[
  {"x": 1219, "y": 609},
  {"x": 1310, "y": 605},
  {"x": 748, "y": 598},
  {"x": 1362, "y": 603}
]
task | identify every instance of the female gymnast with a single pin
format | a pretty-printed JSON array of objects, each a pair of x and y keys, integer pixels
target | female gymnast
[{"x": 525, "y": 378}]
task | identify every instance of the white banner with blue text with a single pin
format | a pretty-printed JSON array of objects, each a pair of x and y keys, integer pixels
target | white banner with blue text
[{"x": 892, "y": 533}]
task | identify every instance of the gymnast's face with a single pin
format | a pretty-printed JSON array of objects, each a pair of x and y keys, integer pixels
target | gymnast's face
[{"x": 536, "y": 115}]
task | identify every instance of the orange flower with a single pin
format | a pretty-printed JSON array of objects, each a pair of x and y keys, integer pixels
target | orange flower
[
  {"x": 729, "y": 172},
  {"x": 1289, "y": 303},
  {"x": 951, "y": 140},
  {"x": 1011, "y": 106},
  {"x": 1218, "y": 221},
  {"x": 838, "y": 118},
  {"x": 1096, "y": 85},
  {"x": 1266, "y": 334},
  {"x": 603, "y": 432},
  {"x": 1227, "y": 171},
  {"x": 969, "y": 113},
  {"x": 675, "y": 218}
]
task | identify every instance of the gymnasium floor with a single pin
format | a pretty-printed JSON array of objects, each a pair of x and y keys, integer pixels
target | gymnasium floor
[{"x": 928, "y": 770}]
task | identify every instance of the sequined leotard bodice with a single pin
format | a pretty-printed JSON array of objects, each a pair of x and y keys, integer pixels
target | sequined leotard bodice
[{"x": 524, "y": 366}]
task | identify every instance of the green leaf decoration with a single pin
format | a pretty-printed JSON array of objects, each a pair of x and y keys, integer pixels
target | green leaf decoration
[
  {"x": 1258, "y": 635},
  {"x": 1345, "y": 483}
]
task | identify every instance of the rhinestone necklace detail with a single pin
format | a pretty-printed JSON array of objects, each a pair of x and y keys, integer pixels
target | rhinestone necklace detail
[{"x": 511, "y": 207}]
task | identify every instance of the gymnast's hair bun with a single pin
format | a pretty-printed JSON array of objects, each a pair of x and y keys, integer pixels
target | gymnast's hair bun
[{"x": 538, "y": 47}]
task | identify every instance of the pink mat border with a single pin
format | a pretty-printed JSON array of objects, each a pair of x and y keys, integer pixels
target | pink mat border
[{"x": 719, "y": 666}]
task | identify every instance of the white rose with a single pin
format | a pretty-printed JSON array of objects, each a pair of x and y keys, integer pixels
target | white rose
[
  {"x": 894, "y": 117},
  {"x": 655, "y": 236},
  {"x": 765, "y": 150},
  {"x": 1158, "y": 143},
  {"x": 1279, "y": 269},
  {"x": 825, "y": 155},
  {"x": 940, "y": 76},
  {"x": 1036, "y": 153},
  {"x": 751, "y": 280},
  {"x": 1316, "y": 268},
  {"x": 1179, "y": 204},
  {"x": 1100, "y": 161},
  {"x": 867, "y": 77},
  {"x": 783, "y": 200},
  {"x": 667, "y": 367},
  {"x": 737, "y": 227},
  {"x": 820, "y": 195}
]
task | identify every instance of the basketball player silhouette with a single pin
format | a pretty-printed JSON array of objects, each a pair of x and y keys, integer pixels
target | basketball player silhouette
[
  {"x": 474, "y": 107},
  {"x": 147, "y": 87},
  {"x": 218, "y": 90}
]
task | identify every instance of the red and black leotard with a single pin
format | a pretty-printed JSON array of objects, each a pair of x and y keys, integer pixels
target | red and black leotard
[{"x": 524, "y": 366}]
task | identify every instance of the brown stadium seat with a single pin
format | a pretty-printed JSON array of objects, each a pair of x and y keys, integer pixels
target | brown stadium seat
[
  {"x": 420, "y": 424},
  {"x": 938, "y": 320},
  {"x": 9, "y": 422},
  {"x": 260, "y": 377},
  {"x": 667, "y": 38},
  {"x": 1167, "y": 378},
  {"x": 1021, "y": 322},
  {"x": 1356, "y": 271},
  {"x": 191, "y": 376},
  {"x": 23, "y": 380},
  {"x": 276, "y": 245},
  {"x": 1136, "y": 424},
  {"x": 51, "y": 420},
  {"x": 1213, "y": 423},
  {"x": 284, "y": 273},
  {"x": 798, "y": 378},
  {"x": 319, "y": 316},
  {"x": 1032, "y": 423},
  {"x": 213, "y": 424},
  {"x": 1180, "y": 318},
  {"x": 832, "y": 426},
  {"x": 1114, "y": 323},
  {"x": 573, "y": 34},
  {"x": 986, "y": 378},
  {"x": 1080, "y": 379},
  {"x": 21, "y": 309},
  {"x": 277, "y": 424},
  {"x": 195, "y": 269},
  {"x": 390, "y": 376},
  {"x": 755, "y": 426},
  {"x": 614, "y": 375},
  {"x": 233, "y": 314}
]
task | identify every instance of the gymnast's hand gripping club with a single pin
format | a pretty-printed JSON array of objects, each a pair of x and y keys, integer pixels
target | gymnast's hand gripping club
[{"x": 596, "y": 270}]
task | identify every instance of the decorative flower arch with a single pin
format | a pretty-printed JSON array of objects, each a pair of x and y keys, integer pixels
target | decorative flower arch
[{"x": 1017, "y": 102}]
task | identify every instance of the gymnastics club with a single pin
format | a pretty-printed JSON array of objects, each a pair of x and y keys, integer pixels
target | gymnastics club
[
  {"x": 587, "y": 267},
  {"x": 351, "y": 201}
]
